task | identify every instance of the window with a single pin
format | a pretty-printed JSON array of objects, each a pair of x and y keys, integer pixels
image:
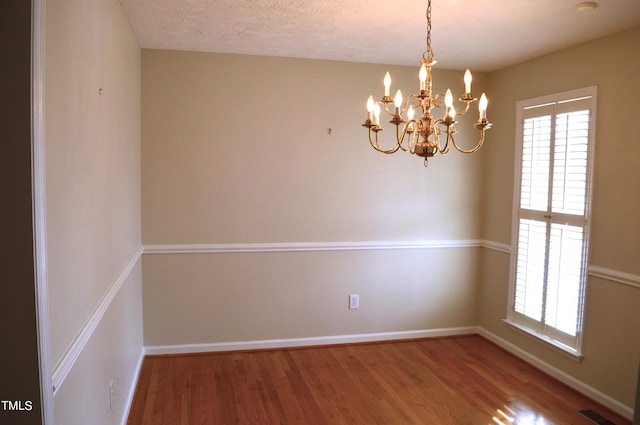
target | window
[{"x": 554, "y": 155}]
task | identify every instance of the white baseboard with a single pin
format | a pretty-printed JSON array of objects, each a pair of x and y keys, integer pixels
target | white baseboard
[
  {"x": 306, "y": 342},
  {"x": 563, "y": 377},
  {"x": 132, "y": 390}
]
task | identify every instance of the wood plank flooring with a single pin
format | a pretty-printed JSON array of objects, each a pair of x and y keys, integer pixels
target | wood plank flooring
[{"x": 459, "y": 380}]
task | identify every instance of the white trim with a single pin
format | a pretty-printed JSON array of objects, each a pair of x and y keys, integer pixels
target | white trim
[
  {"x": 132, "y": 390},
  {"x": 615, "y": 276},
  {"x": 563, "y": 377},
  {"x": 497, "y": 246},
  {"x": 306, "y": 342},
  {"x": 557, "y": 346},
  {"x": 39, "y": 208},
  {"x": 69, "y": 358},
  {"x": 597, "y": 271},
  {"x": 308, "y": 246}
]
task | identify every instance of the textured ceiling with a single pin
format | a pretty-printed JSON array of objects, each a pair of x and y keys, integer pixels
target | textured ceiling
[{"x": 480, "y": 34}]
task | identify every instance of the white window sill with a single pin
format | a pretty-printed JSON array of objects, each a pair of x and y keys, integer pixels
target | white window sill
[{"x": 556, "y": 346}]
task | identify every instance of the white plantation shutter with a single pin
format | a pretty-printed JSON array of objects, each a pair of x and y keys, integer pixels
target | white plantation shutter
[
  {"x": 570, "y": 162},
  {"x": 551, "y": 220},
  {"x": 530, "y": 268},
  {"x": 564, "y": 276},
  {"x": 536, "y": 154}
]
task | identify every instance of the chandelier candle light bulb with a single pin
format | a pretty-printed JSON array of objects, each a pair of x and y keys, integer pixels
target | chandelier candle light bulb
[
  {"x": 387, "y": 84},
  {"x": 482, "y": 107},
  {"x": 397, "y": 101},
  {"x": 422, "y": 135},
  {"x": 370, "y": 103},
  {"x": 467, "y": 81},
  {"x": 376, "y": 113},
  {"x": 448, "y": 99}
]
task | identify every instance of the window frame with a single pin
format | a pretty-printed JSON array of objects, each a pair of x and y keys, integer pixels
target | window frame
[{"x": 518, "y": 321}]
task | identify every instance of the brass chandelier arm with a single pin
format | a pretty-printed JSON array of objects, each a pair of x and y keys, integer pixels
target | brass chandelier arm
[
  {"x": 466, "y": 108},
  {"x": 447, "y": 146},
  {"x": 411, "y": 100},
  {"x": 386, "y": 108},
  {"x": 472, "y": 150},
  {"x": 407, "y": 128},
  {"x": 377, "y": 146},
  {"x": 438, "y": 100},
  {"x": 467, "y": 101}
]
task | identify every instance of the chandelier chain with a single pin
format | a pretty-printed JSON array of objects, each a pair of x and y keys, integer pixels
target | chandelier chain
[{"x": 429, "y": 53}]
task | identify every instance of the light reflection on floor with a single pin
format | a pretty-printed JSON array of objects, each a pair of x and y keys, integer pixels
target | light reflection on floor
[
  {"x": 508, "y": 416},
  {"x": 502, "y": 418}
]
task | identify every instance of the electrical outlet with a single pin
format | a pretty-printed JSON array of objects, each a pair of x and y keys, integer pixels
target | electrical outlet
[
  {"x": 354, "y": 301},
  {"x": 111, "y": 393}
]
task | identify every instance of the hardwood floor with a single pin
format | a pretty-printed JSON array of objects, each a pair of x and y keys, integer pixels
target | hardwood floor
[{"x": 460, "y": 380}]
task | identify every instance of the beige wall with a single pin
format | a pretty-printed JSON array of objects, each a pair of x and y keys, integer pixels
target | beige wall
[
  {"x": 231, "y": 297},
  {"x": 92, "y": 104},
  {"x": 235, "y": 150},
  {"x": 612, "y": 317}
]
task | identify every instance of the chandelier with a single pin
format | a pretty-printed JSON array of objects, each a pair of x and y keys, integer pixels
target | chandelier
[{"x": 421, "y": 136}]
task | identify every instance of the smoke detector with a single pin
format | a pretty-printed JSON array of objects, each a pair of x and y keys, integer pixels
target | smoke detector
[{"x": 586, "y": 6}]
